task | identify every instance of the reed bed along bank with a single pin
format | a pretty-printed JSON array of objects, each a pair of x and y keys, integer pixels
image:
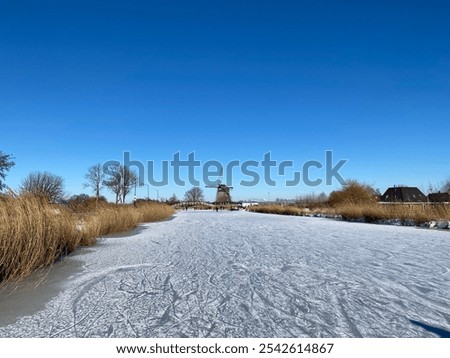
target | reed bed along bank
[
  {"x": 414, "y": 214},
  {"x": 278, "y": 209},
  {"x": 34, "y": 233}
]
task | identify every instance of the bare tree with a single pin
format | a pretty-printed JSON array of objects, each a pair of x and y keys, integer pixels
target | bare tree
[
  {"x": 113, "y": 181},
  {"x": 120, "y": 180},
  {"x": 95, "y": 179},
  {"x": 446, "y": 186},
  {"x": 172, "y": 200},
  {"x": 311, "y": 199},
  {"x": 194, "y": 194},
  {"x": 6, "y": 163},
  {"x": 45, "y": 184},
  {"x": 129, "y": 181}
]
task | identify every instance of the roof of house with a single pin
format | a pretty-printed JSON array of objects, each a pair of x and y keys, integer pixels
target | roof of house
[
  {"x": 403, "y": 194},
  {"x": 439, "y": 197}
]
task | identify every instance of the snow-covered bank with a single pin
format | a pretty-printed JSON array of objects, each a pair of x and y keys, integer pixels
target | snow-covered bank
[
  {"x": 240, "y": 274},
  {"x": 438, "y": 224}
]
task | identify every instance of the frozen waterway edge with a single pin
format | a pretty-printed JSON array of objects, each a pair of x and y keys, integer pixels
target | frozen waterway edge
[{"x": 207, "y": 274}]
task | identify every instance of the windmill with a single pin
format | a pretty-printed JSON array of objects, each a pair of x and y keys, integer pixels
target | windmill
[{"x": 223, "y": 191}]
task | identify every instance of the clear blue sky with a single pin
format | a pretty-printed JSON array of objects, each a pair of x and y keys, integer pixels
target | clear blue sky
[{"x": 83, "y": 81}]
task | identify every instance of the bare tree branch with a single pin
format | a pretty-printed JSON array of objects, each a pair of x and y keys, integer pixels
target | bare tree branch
[
  {"x": 120, "y": 181},
  {"x": 95, "y": 179},
  {"x": 194, "y": 194},
  {"x": 446, "y": 186},
  {"x": 130, "y": 180},
  {"x": 45, "y": 184},
  {"x": 113, "y": 182}
]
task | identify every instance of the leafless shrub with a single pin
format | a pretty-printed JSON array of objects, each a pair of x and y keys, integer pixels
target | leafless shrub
[{"x": 45, "y": 185}]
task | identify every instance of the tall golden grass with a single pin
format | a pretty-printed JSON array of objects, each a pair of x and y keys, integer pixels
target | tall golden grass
[
  {"x": 417, "y": 213},
  {"x": 34, "y": 233},
  {"x": 278, "y": 209},
  {"x": 372, "y": 212},
  {"x": 358, "y": 201}
]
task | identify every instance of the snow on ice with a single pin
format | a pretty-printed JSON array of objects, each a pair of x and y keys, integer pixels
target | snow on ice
[{"x": 240, "y": 274}]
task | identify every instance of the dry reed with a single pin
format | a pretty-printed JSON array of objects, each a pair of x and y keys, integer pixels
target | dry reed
[
  {"x": 416, "y": 213},
  {"x": 373, "y": 212},
  {"x": 34, "y": 233},
  {"x": 278, "y": 209}
]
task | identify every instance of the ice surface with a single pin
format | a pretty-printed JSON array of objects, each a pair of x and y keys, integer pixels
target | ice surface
[{"x": 240, "y": 274}]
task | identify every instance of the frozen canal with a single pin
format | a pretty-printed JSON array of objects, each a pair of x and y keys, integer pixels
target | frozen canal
[{"x": 239, "y": 274}]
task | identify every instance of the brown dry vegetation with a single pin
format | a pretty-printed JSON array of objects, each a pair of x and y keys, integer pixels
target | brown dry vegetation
[
  {"x": 34, "y": 233},
  {"x": 353, "y": 192},
  {"x": 375, "y": 212},
  {"x": 357, "y": 201},
  {"x": 278, "y": 209},
  {"x": 368, "y": 212}
]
